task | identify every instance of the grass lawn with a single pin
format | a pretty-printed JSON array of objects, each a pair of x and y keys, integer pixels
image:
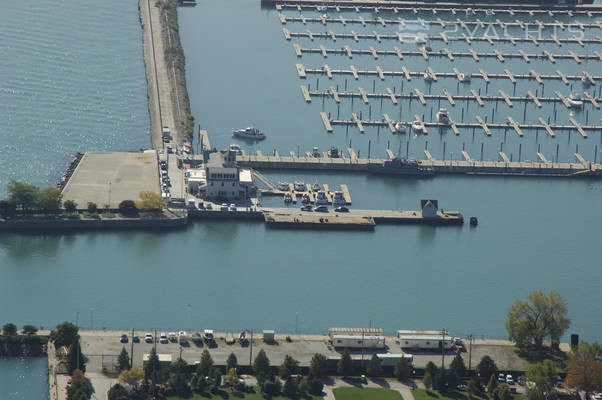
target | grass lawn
[
  {"x": 421, "y": 394},
  {"x": 354, "y": 393},
  {"x": 237, "y": 396}
]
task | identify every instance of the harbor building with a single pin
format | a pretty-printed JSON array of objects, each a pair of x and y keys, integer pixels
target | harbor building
[{"x": 220, "y": 178}]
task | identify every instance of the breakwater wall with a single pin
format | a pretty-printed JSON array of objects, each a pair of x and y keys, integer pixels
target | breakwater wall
[{"x": 59, "y": 224}]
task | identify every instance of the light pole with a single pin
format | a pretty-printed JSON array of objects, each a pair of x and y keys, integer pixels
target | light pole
[
  {"x": 189, "y": 307},
  {"x": 91, "y": 318}
]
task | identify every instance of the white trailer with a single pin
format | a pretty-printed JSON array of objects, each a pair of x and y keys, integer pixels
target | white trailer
[
  {"x": 390, "y": 360},
  {"x": 358, "y": 341},
  {"x": 426, "y": 341},
  {"x": 422, "y": 333}
]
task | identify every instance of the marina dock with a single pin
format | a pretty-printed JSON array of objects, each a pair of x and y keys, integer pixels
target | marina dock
[{"x": 442, "y": 167}]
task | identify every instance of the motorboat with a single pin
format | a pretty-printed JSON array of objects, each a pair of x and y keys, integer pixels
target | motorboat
[
  {"x": 316, "y": 186},
  {"x": 321, "y": 198},
  {"x": 464, "y": 78},
  {"x": 334, "y": 153},
  {"x": 402, "y": 167},
  {"x": 586, "y": 82},
  {"x": 299, "y": 186},
  {"x": 249, "y": 133},
  {"x": 283, "y": 186},
  {"x": 320, "y": 8},
  {"x": 428, "y": 48},
  {"x": 417, "y": 127},
  {"x": 427, "y": 77},
  {"x": 574, "y": 101},
  {"x": 288, "y": 198},
  {"x": 420, "y": 39},
  {"x": 235, "y": 148},
  {"x": 338, "y": 198},
  {"x": 305, "y": 198},
  {"x": 315, "y": 152},
  {"x": 400, "y": 127},
  {"x": 443, "y": 116}
]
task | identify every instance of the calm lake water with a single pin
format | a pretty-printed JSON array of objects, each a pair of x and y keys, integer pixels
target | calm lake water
[
  {"x": 533, "y": 233},
  {"x": 23, "y": 378}
]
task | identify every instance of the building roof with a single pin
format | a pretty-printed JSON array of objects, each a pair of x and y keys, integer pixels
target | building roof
[
  {"x": 425, "y": 337},
  {"x": 245, "y": 176}
]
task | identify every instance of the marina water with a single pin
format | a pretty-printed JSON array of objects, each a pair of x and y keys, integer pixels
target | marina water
[{"x": 75, "y": 82}]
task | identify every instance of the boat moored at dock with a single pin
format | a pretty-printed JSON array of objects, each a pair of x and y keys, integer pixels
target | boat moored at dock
[
  {"x": 249, "y": 133},
  {"x": 402, "y": 167}
]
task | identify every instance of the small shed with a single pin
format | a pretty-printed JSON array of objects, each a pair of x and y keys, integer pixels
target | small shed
[{"x": 429, "y": 208}]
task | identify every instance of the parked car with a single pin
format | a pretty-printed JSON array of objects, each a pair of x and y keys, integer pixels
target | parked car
[
  {"x": 172, "y": 337},
  {"x": 209, "y": 206},
  {"x": 509, "y": 379},
  {"x": 163, "y": 338},
  {"x": 307, "y": 208},
  {"x": 341, "y": 209},
  {"x": 123, "y": 338},
  {"x": 148, "y": 338},
  {"x": 232, "y": 207},
  {"x": 321, "y": 209},
  {"x": 501, "y": 377},
  {"x": 461, "y": 386},
  {"x": 223, "y": 207},
  {"x": 136, "y": 339}
]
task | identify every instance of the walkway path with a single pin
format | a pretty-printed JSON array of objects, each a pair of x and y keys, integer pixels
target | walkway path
[{"x": 392, "y": 384}]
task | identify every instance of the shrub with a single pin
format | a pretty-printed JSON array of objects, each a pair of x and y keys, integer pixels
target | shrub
[
  {"x": 128, "y": 208},
  {"x": 92, "y": 208},
  {"x": 9, "y": 329},
  {"x": 29, "y": 329},
  {"x": 70, "y": 206}
]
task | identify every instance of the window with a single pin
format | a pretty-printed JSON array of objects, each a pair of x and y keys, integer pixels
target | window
[{"x": 428, "y": 343}]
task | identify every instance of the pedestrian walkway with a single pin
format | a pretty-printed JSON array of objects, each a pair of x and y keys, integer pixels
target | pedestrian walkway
[{"x": 393, "y": 384}]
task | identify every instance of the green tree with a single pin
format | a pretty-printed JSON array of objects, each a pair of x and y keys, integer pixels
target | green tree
[
  {"x": 289, "y": 367},
  {"x": 75, "y": 358},
  {"x": 50, "y": 199},
  {"x": 152, "y": 368},
  {"x": 29, "y": 330},
  {"x": 486, "y": 368},
  {"x": 584, "y": 369},
  {"x": 132, "y": 376},
  {"x": 22, "y": 195},
  {"x": 541, "y": 377},
  {"x": 231, "y": 378},
  {"x": 319, "y": 366},
  {"x": 70, "y": 206},
  {"x": 272, "y": 388},
  {"x": 198, "y": 383},
  {"x": 216, "y": 377},
  {"x": 7, "y": 208},
  {"x": 261, "y": 367},
  {"x": 150, "y": 201},
  {"x": 231, "y": 362},
  {"x": 503, "y": 392},
  {"x": 374, "y": 368},
  {"x": 457, "y": 366},
  {"x": 402, "y": 370},
  {"x": 290, "y": 388},
  {"x": 492, "y": 385},
  {"x": 64, "y": 334},
  {"x": 472, "y": 387},
  {"x": 345, "y": 364},
  {"x": 431, "y": 368},
  {"x": 118, "y": 392},
  {"x": 531, "y": 321},
  {"x": 206, "y": 364},
  {"x": 123, "y": 361},
  {"x": 303, "y": 387},
  {"x": 79, "y": 387},
  {"x": 315, "y": 387},
  {"x": 128, "y": 208},
  {"x": 9, "y": 329},
  {"x": 428, "y": 380},
  {"x": 92, "y": 208}
]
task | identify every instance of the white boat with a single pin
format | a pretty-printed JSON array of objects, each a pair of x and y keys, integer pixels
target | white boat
[
  {"x": 283, "y": 186},
  {"x": 299, "y": 186},
  {"x": 427, "y": 76},
  {"x": 443, "y": 116},
  {"x": 417, "y": 126},
  {"x": 235, "y": 148},
  {"x": 586, "y": 82},
  {"x": 321, "y": 198},
  {"x": 288, "y": 198},
  {"x": 316, "y": 186},
  {"x": 305, "y": 198},
  {"x": 400, "y": 127},
  {"x": 249, "y": 133},
  {"x": 575, "y": 102},
  {"x": 420, "y": 39},
  {"x": 464, "y": 77},
  {"x": 315, "y": 152},
  {"x": 320, "y": 8},
  {"x": 338, "y": 198}
]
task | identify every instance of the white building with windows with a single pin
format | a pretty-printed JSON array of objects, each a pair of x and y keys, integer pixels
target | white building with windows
[{"x": 221, "y": 178}]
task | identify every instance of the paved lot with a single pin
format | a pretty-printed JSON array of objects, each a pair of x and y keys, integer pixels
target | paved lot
[
  {"x": 102, "y": 346},
  {"x": 115, "y": 176}
]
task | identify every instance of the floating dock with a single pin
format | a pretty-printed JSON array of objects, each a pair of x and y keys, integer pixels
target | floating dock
[
  {"x": 441, "y": 167},
  {"x": 298, "y": 220},
  {"x": 404, "y": 73}
]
